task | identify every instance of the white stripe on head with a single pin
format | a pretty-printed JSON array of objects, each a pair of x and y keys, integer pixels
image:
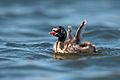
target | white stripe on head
[{"x": 55, "y": 29}]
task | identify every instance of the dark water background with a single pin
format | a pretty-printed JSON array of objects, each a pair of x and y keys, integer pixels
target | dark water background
[{"x": 26, "y": 47}]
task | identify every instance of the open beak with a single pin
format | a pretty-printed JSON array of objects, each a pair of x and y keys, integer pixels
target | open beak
[{"x": 52, "y": 33}]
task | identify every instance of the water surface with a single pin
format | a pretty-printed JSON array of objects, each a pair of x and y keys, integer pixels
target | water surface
[{"x": 26, "y": 46}]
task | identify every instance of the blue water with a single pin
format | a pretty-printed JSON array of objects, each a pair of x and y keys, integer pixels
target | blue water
[{"x": 26, "y": 46}]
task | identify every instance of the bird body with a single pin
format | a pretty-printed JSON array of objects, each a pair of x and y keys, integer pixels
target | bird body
[{"x": 71, "y": 44}]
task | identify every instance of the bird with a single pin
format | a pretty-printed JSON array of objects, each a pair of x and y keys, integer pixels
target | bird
[{"x": 67, "y": 43}]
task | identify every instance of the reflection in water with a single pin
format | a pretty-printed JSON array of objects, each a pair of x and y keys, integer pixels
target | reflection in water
[
  {"x": 61, "y": 56},
  {"x": 74, "y": 56}
]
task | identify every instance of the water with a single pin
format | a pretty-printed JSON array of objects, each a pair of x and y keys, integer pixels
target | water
[{"x": 26, "y": 46}]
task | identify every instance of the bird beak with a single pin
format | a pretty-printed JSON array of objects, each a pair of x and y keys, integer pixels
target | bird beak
[{"x": 52, "y": 33}]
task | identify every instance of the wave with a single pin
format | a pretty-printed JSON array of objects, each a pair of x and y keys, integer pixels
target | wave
[{"x": 102, "y": 32}]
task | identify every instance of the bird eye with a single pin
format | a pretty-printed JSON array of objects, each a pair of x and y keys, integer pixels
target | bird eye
[{"x": 54, "y": 30}]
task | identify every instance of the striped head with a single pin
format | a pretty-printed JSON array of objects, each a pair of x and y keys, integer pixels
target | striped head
[{"x": 59, "y": 32}]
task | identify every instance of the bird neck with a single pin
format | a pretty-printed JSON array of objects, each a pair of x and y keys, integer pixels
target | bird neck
[{"x": 62, "y": 39}]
